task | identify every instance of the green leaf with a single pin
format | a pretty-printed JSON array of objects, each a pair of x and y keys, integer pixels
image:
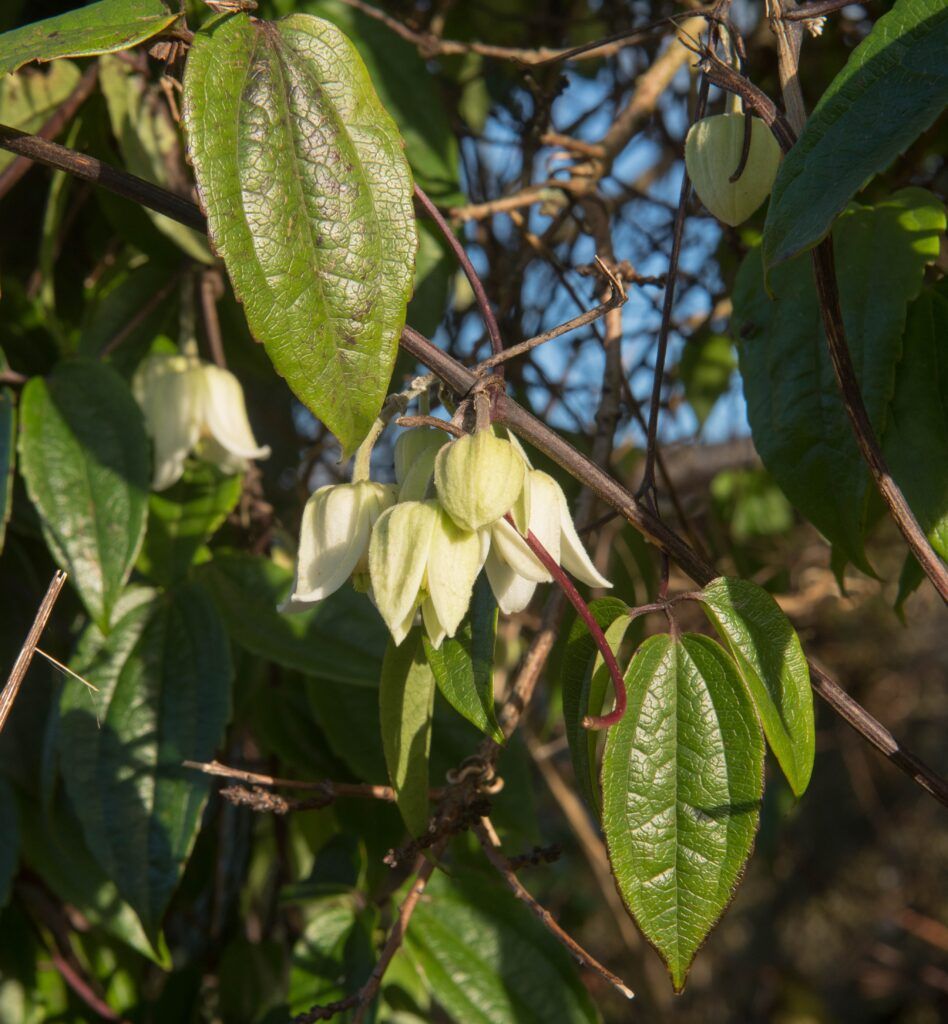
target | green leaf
[
  {"x": 7, "y": 453},
  {"x": 584, "y": 690},
  {"x": 318, "y": 969},
  {"x": 750, "y": 504},
  {"x": 892, "y": 88},
  {"x": 164, "y": 677},
  {"x": 105, "y": 27},
  {"x": 341, "y": 639},
  {"x": 183, "y": 518},
  {"x": 408, "y": 92},
  {"x": 10, "y": 844},
  {"x": 682, "y": 778},
  {"x": 309, "y": 202},
  {"x": 489, "y": 961},
  {"x": 464, "y": 665},
  {"x": 150, "y": 145},
  {"x": 800, "y": 426},
  {"x": 28, "y": 99},
  {"x": 916, "y": 438},
  {"x": 85, "y": 458},
  {"x": 348, "y": 717},
  {"x": 706, "y": 367},
  {"x": 772, "y": 664},
  {"x": 406, "y": 704}
]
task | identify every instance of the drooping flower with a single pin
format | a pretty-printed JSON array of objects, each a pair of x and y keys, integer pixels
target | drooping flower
[
  {"x": 193, "y": 407},
  {"x": 420, "y": 558},
  {"x": 415, "y": 452},
  {"x": 513, "y": 570},
  {"x": 334, "y": 537},
  {"x": 479, "y": 478}
]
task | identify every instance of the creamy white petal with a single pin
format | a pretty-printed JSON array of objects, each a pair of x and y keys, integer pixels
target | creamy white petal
[
  {"x": 334, "y": 535},
  {"x": 225, "y": 414},
  {"x": 511, "y": 548},
  {"x": 436, "y": 631},
  {"x": 575, "y": 560},
  {"x": 454, "y": 562},
  {"x": 545, "y": 495},
  {"x": 398, "y": 558},
  {"x": 403, "y": 628},
  {"x": 169, "y": 390},
  {"x": 417, "y": 443},
  {"x": 478, "y": 478},
  {"x": 512, "y": 592}
]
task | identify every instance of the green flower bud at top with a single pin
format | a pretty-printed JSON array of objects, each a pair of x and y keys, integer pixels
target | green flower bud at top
[
  {"x": 479, "y": 478},
  {"x": 334, "y": 537},
  {"x": 415, "y": 452},
  {"x": 712, "y": 154},
  {"x": 193, "y": 406}
]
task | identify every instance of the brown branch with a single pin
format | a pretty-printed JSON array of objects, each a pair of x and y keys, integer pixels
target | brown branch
[
  {"x": 516, "y": 201},
  {"x": 817, "y": 9},
  {"x": 324, "y": 786},
  {"x": 617, "y": 298},
  {"x": 430, "y": 421},
  {"x": 491, "y": 847},
  {"x": 22, "y": 663},
  {"x": 63, "y": 115},
  {"x": 461, "y": 380},
  {"x": 212, "y": 288}
]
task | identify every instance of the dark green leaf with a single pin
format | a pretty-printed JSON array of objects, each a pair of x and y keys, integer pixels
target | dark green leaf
[
  {"x": 750, "y": 503},
  {"x": 104, "y": 27},
  {"x": 7, "y": 453},
  {"x": 183, "y": 518},
  {"x": 916, "y": 437},
  {"x": 85, "y": 458},
  {"x": 892, "y": 88},
  {"x": 464, "y": 665},
  {"x": 28, "y": 99},
  {"x": 682, "y": 777},
  {"x": 771, "y": 662},
  {"x": 348, "y": 716},
  {"x": 406, "y": 704},
  {"x": 164, "y": 678},
  {"x": 317, "y": 974},
  {"x": 706, "y": 367},
  {"x": 54, "y": 847},
  {"x": 584, "y": 691},
  {"x": 342, "y": 638},
  {"x": 489, "y": 961},
  {"x": 9, "y": 839},
  {"x": 309, "y": 202},
  {"x": 150, "y": 144},
  {"x": 800, "y": 425}
]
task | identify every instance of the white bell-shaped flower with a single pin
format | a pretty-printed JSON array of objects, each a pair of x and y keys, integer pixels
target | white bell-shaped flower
[
  {"x": 513, "y": 570},
  {"x": 420, "y": 558},
  {"x": 334, "y": 537},
  {"x": 193, "y": 407}
]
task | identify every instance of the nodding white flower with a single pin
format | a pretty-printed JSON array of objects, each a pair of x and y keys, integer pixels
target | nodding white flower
[
  {"x": 415, "y": 453},
  {"x": 420, "y": 558},
  {"x": 334, "y": 538},
  {"x": 479, "y": 478},
  {"x": 193, "y": 406},
  {"x": 513, "y": 570}
]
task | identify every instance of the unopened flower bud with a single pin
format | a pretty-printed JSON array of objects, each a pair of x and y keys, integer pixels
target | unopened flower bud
[
  {"x": 479, "y": 478},
  {"x": 712, "y": 154},
  {"x": 415, "y": 452}
]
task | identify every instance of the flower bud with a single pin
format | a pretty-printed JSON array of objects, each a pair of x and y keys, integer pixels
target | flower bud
[
  {"x": 479, "y": 478},
  {"x": 712, "y": 154}
]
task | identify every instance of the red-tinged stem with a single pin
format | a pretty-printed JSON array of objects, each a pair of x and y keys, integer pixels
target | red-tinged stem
[{"x": 582, "y": 609}]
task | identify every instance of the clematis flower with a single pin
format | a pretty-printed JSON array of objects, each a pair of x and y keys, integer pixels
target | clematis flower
[
  {"x": 479, "y": 478},
  {"x": 334, "y": 537},
  {"x": 420, "y": 558},
  {"x": 193, "y": 406},
  {"x": 513, "y": 570}
]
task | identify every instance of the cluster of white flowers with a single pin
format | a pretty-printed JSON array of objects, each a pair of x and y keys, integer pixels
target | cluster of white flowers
[
  {"x": 193, "y": 407},
  {"x": 419, "y": 544}
]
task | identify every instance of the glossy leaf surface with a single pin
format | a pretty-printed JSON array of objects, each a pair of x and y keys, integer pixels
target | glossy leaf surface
[
  {"x": 85, "y": 458},
  {"x": 682, "y": 777}
]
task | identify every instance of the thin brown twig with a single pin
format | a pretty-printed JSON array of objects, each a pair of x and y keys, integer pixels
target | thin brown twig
[
  {"x": 120, "y": 337},
  {"x": 460, "y": 379},
  {"x": 326, "y": 786},
  {"x": 617, "y": 298},
  {"x": 64, "y": 113},
  {"x": 490, "y": 843},
  {"x": 817, "y": 9},
  {"x": 22, "y": 663},
  {"x": 212, "y": 288},
  {"x": 430, "y": 421}
]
